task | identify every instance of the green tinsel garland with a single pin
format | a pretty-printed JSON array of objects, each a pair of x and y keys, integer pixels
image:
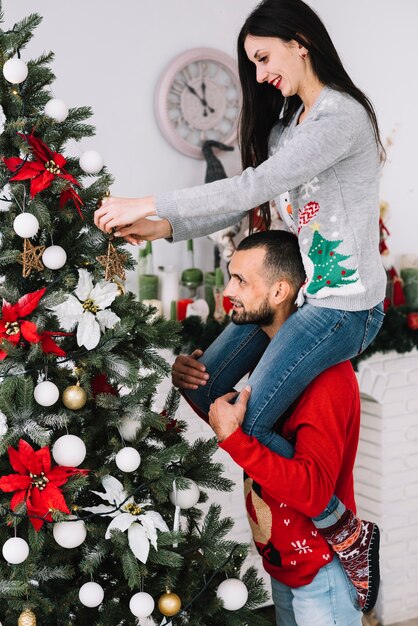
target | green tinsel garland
[{"x": 395, "y": 334}]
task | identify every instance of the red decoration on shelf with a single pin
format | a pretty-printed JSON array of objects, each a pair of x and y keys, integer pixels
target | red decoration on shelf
[
  {"x": 395, "y": 293},
  {"x": 412, "y": 321},
  {"x": 13, "y": 326},
  {"x": 42, "y": 171},
  {"x": 182, "y": 308},
  {"x": 37, "y": 483}
]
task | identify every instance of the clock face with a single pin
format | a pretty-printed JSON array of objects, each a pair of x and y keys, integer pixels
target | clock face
[{"x": 199, "y": 98}]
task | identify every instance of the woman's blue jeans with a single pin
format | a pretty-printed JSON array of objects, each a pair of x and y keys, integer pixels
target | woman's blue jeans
[{"x": 310, "y": 341}]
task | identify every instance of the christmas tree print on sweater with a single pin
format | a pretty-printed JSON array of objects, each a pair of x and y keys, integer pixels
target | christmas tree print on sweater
[{"x": 324, "y": 269}]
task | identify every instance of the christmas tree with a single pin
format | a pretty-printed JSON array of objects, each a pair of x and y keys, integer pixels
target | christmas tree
[
  {"x": 327, "y": 270},
  {"x": 98, "y": 490}
]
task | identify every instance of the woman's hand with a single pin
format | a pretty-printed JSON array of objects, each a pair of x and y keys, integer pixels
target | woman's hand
[
  {"x": 145, "y": 230},
  {"x": 116, "y": 213}
]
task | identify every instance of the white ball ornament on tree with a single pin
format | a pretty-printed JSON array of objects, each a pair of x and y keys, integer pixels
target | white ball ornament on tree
[
  {"x": 15, "y": 71},
  {"x": 141, "y": 604},
  {"x": 69, "y": 534},
  {"x": 185, "y": 498},
  {"x": 69, "y": 451},
  {"x": 15, "y": 550},
  {"x": 25, "y": 225},
  {"x": 46, "y": 393},
  {"x": 91, "y": 594},
  {"x": 128, "y": 459},
  {"x": 54, "y": 257},
  {"x": 233, "y": 593},
  {"x": 57, "y": 109},
  {"x": 91, "y": 162}
]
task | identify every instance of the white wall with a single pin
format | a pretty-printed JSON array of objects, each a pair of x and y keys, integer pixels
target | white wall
[{"x": 109, "y": 55}]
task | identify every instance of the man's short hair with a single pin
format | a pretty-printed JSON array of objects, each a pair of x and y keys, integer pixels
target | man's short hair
[{"x": 283, "y": 260}]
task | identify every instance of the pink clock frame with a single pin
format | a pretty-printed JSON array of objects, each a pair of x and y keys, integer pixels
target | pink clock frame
[{"x": 163, "y": 87}]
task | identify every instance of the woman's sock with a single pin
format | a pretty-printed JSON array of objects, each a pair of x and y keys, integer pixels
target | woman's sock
[{"x": 356, "y": 543}]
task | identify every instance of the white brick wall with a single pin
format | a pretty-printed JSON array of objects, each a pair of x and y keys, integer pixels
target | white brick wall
[{"x": 387, "y": 476}]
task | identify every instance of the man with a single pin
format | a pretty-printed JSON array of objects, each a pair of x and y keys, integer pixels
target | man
[{"x": 309, "y": 585}]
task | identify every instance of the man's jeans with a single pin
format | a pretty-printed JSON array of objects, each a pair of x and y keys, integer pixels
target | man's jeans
[{"x": 329, "y": 600}]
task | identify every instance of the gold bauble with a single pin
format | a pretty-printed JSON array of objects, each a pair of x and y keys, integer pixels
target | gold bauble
[
  {"x": 169, "y": 604},
  {"x": 27, "y": 618},
  {"x": 74, "y": 397}
]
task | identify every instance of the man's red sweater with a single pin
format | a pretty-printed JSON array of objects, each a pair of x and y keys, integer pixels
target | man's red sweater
[{"x": 282, "y": 495}]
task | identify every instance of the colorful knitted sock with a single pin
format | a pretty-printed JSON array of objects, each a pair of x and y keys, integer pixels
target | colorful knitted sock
[{"x": 356, "y": 543}]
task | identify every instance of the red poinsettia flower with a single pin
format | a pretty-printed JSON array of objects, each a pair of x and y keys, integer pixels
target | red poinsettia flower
[
  {"x": 36, "y": 482},
  {"x": 42, "y": 171},
  {"x": 13, "y": 326}
]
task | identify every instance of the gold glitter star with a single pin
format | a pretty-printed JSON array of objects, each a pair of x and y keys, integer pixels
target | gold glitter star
[
  {"x": 30, "y": 258},
  {"x": 113, "y": 262},
  {"x": 315, "y": 226}
]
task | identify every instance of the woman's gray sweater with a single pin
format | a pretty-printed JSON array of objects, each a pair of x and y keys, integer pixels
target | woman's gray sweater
[{"x": 322, "y": 180}]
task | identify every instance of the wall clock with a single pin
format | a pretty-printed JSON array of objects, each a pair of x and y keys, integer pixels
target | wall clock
[{"x": 198, "y": 97}]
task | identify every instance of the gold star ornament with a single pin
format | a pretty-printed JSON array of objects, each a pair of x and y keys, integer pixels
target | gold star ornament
[
  {"x": 30, "y": 258},
  {"x": 113, "y": 263}
]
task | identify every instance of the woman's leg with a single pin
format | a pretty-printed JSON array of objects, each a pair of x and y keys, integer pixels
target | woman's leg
[
  {"x": 309, "y": 342},
  {"x": 282, "y": 599}
]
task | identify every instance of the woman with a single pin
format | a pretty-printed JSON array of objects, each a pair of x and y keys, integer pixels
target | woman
[{"x": 310, "y": 145}]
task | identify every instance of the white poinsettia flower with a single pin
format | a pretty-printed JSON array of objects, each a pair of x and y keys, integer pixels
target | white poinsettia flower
[
  {"x": 2, "y": 119},
  {"x": 3, "y": 424},
  {"x": 141, "y": 525},
  {"x": 88, "y": 310}
]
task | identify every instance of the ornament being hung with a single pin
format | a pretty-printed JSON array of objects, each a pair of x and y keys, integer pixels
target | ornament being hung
[
  {"x": 36, "y": 482},
  {"x": 27, "y": 618},
  {"x": 113, "y": 262},
  {"x": 88, "y": 310},
  {"x": 141, "y": 525},
  {"x": 43, "y": 170},
  {"x": 30, "y": 258}
]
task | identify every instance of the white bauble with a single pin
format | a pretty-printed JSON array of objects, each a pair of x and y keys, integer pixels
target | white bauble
[
  {"x": 57, "y": 109},
  {"x": 15, "y": 71},
  {"x": 185, "y": 498},
  {"x": 54, "y": 257},
  {"x": 46, "y": 393},
  {"x": 25, "y": 225},
  {"x": 91, "y": 162},
  {"x": 142, "y": 604},
  {"x": 69, "y": 451},
  {"x": 128, "y": 459},
  {"x": 69, "y": 534},
  {"x": 233, "y": 593},
  {"x": 91, "y": 594},
  {"x": 15, "y": 550},
  {"x": 128, "y": 428}
]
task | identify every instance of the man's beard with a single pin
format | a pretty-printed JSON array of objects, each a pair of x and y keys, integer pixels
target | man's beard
[{"x": 263, "y": 316}]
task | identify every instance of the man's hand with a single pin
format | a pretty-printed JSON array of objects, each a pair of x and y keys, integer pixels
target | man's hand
[
  {"x": 187, "y": 372},
  {"x": 224, "y": 417}
]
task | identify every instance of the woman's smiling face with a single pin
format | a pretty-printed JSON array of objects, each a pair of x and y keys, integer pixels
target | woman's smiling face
[{"x": 278, "y": 62}]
